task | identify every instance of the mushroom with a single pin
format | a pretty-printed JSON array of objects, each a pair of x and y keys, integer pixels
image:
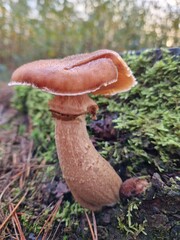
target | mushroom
[{"x": 91, "y": 179}]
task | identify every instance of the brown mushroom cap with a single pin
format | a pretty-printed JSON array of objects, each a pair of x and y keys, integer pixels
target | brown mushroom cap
[{"x": 100, "y": 72}]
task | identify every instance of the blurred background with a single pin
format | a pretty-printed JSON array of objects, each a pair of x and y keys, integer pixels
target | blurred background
[{"x": 35, "y": 29}]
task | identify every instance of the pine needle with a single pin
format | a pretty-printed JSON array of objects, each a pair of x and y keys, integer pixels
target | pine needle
[
  {"x": 13, "y": 211},
  {"x": 17, "y": 222},
  {"x": 90, "y": 226},
  {"x": 49, "y": 221}
]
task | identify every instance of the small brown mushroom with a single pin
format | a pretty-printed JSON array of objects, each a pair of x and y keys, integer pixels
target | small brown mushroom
[{"x": 91, "y": 179}]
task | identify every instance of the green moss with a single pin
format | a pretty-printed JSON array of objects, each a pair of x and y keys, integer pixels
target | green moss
[
  {"x": 129, "y": 228},
  {"x": 149, "y": 113},
  {"x": 35, "y": 104},
  {"x": 69, "y": 214}
]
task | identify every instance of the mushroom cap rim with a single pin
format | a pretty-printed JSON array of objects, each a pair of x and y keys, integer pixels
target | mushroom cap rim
[{"x": 47, "y": 90}]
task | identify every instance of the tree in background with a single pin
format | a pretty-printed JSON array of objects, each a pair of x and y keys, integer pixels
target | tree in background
[{"x": 55, "y": 28}]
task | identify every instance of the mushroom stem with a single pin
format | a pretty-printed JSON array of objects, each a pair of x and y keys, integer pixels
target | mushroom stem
[{"x": 91, "y": 179}]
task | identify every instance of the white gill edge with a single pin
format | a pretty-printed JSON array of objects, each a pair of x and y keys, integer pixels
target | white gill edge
[{"x": 45, "y": 89}]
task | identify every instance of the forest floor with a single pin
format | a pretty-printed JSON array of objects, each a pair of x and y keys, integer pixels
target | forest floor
[{"x": 31, "y": 195}]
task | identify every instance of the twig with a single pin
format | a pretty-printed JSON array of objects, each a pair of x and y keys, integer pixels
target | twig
[
  {"x": 41, "y": 213},
  {"x": 90, "y": 227},
  {"x": 18, "y": 225},
  {"x": 94, "y": 225},
  {"x": 15, "y": 231},
  {"x": 15, "y": 178},
  {"x": 52, "y": 218},
  {"x": 10, "y": 145},
  {"x": 4, "y": 176},
  {"x": 13, "y": 223},
  {"x": 28, "y": 166},
  {"x": 49, "y": 220},
  {"x": 13, "y": 211},
  {"x": 54, "y": 235}
]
